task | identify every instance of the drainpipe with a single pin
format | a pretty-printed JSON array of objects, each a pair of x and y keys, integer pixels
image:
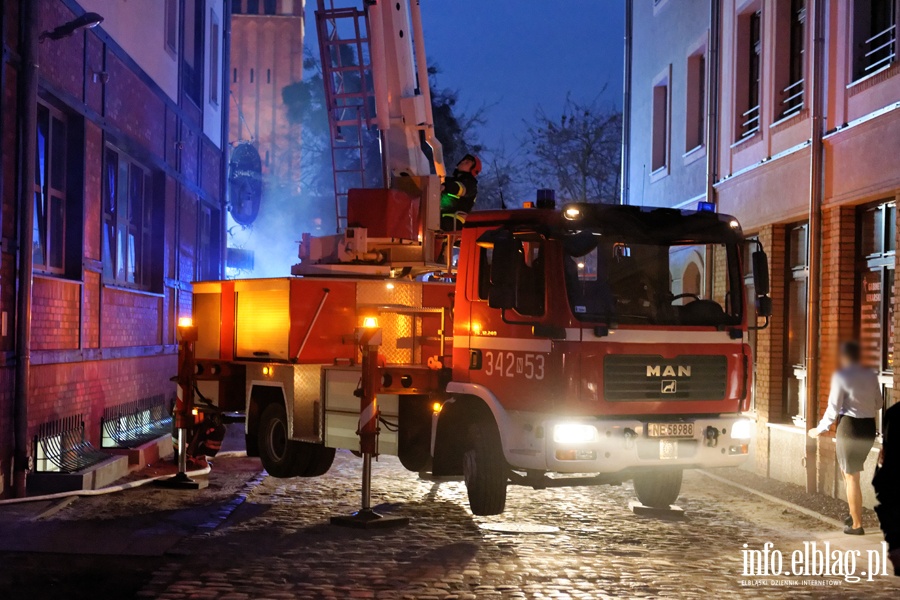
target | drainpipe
[
  {"x": 626, "y": 103},
  {"x": 224, "y": 93},
  {"x": 27, "y": 140},
  {"x": 816, "y": 160},
  {"x": 712, "y": 122}
]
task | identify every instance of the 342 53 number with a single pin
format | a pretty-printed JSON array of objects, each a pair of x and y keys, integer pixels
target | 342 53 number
[{"x": 514, "y": 364}]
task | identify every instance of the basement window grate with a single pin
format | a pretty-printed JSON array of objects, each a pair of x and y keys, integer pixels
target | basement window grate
[
  {"x": 60, "y": 447},
  {"x": 134, "y": 423}
]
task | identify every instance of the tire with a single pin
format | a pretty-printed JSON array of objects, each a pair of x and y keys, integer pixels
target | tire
[
  {"x": 280, "y": 456},
  {"x": 658, "y": 489},
  {"x": 320, "y": 459},
  {"x": 485, "y": 470}
]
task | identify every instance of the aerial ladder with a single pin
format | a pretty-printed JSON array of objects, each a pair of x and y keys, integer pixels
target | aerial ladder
[{"x": 379, "y": 109}]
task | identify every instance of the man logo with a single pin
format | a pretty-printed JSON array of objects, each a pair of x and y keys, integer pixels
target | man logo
[
  {"x": 668, "y": 386},
  {"x": 668, "y": 371}
]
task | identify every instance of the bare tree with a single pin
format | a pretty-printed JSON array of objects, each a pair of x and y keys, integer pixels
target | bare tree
[{"x": 578, "y": 154}]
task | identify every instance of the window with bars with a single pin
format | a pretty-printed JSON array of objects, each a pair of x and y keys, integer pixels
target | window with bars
[
  {"x": 795, "y": 323},
  {"x": 749, "y": 120},
  {"x": 874, "y": 36},
  {"x": 50, "y": 185},
  {"x": 128, "y": 217},
  {"x": 793, "y": 51}
]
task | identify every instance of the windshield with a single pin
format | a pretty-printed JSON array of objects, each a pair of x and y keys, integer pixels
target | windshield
[{"x": 644, "y": 284}]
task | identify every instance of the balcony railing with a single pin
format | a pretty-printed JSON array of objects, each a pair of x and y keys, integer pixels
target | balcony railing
[
  {"x": 882, "y": 50},
  {"x": 751, "y": 123},
  {"x": 793, "y": 99}
]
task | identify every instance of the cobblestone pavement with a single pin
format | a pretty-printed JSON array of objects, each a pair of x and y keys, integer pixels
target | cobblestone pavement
[{"x": 277, "y": 545}]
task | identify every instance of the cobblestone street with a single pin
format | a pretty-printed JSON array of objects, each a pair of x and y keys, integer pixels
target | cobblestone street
[{"x": 277, "y": 544}]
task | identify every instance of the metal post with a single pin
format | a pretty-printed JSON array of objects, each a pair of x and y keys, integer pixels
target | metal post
[
  {"x": 184, "y": 405},
  {"x": 369, "y": 338}
]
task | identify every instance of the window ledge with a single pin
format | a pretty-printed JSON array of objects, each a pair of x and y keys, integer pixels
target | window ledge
[
  {"x": 659, "y": 173},
  {"x": 56, "y": 277},
  {"x": 694, "y": 154},
  {"x": 874, "y": 78},
  {"x": 747, "y": 141},
  {"x": 125, "y": 288}
]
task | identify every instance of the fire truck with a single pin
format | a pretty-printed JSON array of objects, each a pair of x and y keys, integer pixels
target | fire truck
[{"x": 538, "y": 346}]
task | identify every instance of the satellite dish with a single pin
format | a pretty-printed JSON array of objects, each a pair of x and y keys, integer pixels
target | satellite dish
[{"x": 244, "y": 183}]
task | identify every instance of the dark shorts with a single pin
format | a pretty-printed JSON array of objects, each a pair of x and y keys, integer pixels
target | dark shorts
[{"x": 855, "y": 437}]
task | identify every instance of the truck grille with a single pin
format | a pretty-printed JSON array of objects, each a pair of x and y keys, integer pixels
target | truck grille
[{"x": 636, "y": 378}]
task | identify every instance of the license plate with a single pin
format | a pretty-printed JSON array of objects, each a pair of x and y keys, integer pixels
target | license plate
[
  {"x": 670, "y": 430},
  {"x": 668, "y": 449}
]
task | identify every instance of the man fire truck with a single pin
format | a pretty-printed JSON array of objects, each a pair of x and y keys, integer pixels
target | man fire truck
[{"x": 564, "y": 347}]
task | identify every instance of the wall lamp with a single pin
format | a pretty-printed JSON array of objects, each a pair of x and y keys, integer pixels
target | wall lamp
[{"x": 85, "y": 21}]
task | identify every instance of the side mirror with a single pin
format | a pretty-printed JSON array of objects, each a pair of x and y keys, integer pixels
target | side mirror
[
  {"x": 764, "y": 306},
  {"x": 504, "y": 262},
  {"x": 761, "y": 273}
]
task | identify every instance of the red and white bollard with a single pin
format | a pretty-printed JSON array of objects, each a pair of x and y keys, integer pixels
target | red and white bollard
[
  {"x": 184, "y": 404},
  {"x": 369, "y": 337}
]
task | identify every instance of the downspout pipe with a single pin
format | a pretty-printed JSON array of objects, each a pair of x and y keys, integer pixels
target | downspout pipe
[
  {"x": 27, "y": 140},
  {"x": 626, "y": 103},
  {"x": 225, "y": 92},
  {"x": 712, "y": 123},
  {"x": 816, "y": 162}
]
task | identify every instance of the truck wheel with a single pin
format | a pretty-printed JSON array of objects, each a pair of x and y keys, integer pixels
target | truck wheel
[
  {"x": 485, "y": 470},
  {"x": 320, "y": 459},
  {"x": 280, "y": 456},
  {"x": 658, "y": 489}
]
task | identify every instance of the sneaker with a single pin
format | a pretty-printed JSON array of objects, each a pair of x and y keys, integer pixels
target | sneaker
[{"x": 850, "y": 531}]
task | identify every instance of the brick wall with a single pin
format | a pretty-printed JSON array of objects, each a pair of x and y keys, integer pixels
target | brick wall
[
  {"x": 770, "y": 346},
  {"x": 56, "y": 314}
]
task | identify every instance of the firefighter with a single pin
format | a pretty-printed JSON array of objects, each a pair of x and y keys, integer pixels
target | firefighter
[{"x": 458, "y": 193}]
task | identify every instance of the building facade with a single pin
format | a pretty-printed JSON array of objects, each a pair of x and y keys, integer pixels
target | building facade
[
  {"x": 802, "y": 145},
  {"x": 129, "y": 178},
  {"x": 266, "y": 57}
]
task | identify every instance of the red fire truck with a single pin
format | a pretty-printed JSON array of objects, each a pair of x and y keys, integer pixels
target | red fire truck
[{"x": 556, "y": 347}]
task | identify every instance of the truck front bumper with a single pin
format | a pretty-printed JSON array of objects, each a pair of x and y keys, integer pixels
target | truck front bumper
[{"x": 613, "y": 445}]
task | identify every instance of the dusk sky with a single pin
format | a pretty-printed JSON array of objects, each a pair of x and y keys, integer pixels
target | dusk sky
[{"x": 520, "y": 54}]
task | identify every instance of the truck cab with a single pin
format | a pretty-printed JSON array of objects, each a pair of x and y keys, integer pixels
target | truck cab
[{"x": 580, "y": 344}]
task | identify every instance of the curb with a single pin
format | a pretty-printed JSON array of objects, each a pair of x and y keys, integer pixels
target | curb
[{"x": 800, "y": 509}]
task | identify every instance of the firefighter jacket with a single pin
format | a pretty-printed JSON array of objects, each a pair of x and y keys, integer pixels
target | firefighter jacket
[{"x": 458, "y": 194}]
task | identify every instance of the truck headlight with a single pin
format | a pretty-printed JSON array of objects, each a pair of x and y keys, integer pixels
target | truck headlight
[
  {"x": 742, "y": 430},
  {"x": 574, "y": 433}
]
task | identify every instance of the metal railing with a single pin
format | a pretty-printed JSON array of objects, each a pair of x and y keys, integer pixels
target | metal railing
[
  {"x": 751, "y": 124},
  {"x": 133, "y": 423},
  {"x": 793, "y": 99},
  {"x": 882, "y": 50},
  {"x": 60, "y": 447}
]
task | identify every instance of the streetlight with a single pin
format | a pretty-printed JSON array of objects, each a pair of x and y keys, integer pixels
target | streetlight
[{"x": 85, "y": 21}]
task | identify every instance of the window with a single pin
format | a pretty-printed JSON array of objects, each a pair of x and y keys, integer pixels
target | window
[
  {"x": 236, "y": 7},
  {"x": 192, "y": 63},
  {"x": 213, "y": 57},
  {"x": 252, "y": 7},
  {"x": 270, "y": 7},
  {"x": 128, "y": 215},
  {"x": 750, "y": 302},
  {"x": 875, "y": 268},
  {"x": 795, "y": 357},
  {"x": 750, "y": 43},
  {"x": 660, "y": 131},
  {"x": 874, "y": 36},
  {"x": 209, "y": 249},
  {"x": 50, "y": 191},
  {"x": 695, "y": 132},
  {"x": 172, "y": 26},
  {"x": 791, "y": 49}
]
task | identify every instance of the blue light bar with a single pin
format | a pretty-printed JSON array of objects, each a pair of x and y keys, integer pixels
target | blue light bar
[{"x": 706, "y": 207}]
